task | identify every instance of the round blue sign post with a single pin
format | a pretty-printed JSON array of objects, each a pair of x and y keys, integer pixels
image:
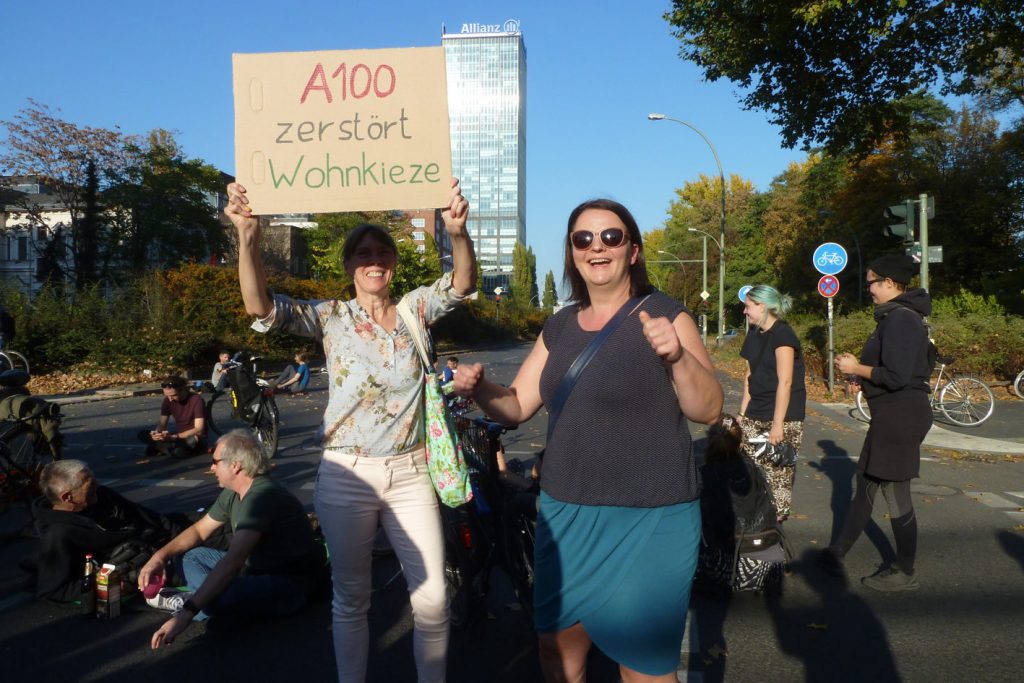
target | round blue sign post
[
  {"x": 830, "y": 258},
  {"x": 743, "y": 293}
]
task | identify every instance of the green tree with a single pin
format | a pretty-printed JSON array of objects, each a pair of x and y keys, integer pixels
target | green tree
[
  {"x": 698, "y": 205},
  {"x": 834, "y": 72},
  {"x": 159, "y": 212},
  {"x": 550, "y": 299},
  {"x": 524, "y": 277}
]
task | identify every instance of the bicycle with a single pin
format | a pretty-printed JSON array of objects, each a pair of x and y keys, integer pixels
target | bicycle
[
  {"x": 30, "y": 439},
  {"x": 252, "y": 405},
  {"x": 12, "y": 360},
  {"x": 964, "y": 401},
  {"x": 495, "y": 529},
  {"x": 1018, "y": 384}
]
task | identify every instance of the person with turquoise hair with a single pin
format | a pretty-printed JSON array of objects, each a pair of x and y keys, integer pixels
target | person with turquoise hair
[{"x": 774, "y": 396}]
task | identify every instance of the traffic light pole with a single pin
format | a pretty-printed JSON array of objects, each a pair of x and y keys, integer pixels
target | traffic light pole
[{"x": 922, "y": 207}]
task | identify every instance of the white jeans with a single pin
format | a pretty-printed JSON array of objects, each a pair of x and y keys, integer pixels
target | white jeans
[{"x": 352, "y": 494}]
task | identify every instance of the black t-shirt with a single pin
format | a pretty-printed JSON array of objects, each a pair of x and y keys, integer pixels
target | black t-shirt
[{"x": 759, "y": 352}]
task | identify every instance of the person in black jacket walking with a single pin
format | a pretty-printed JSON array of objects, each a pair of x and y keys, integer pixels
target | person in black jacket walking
[{"x": 893, "y": 371}]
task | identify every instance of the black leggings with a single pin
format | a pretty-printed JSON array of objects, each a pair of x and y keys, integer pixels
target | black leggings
[{"x": 901, "y": 516}]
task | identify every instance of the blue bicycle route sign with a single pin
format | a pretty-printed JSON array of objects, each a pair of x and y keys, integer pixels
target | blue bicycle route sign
[{"x": 829, "y": 258}]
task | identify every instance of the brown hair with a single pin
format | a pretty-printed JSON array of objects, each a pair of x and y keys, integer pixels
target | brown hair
[
  {"x": 639, "y": 283},
  {"x": 725, "y": 438},
  {"x": 367, "y": 230}
]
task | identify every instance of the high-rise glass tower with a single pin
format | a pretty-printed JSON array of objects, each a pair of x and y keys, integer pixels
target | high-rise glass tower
[{"x": 486, "y": 67}]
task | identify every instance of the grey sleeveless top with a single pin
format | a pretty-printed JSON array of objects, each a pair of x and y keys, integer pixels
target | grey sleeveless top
[{"x": 621, "y": 438}]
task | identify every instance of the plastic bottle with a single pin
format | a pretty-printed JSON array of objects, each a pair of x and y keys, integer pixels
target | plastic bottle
[{"x": 89, "y": 588}]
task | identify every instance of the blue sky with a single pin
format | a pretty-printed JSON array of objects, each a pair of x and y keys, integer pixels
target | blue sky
[{"x": 593, "y": 75}]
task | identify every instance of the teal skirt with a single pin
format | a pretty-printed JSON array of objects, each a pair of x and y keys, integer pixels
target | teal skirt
[{"x": 622, "y": 572}]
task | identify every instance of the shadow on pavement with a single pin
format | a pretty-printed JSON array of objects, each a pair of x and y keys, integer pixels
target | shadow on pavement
[
  {"x": 837, "y": 639},
  {"x": 841, "y": 469},
  {"x": 1013, "y": 545}
]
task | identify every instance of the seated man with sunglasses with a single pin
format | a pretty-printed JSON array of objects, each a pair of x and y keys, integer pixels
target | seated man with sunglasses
[
  {"x": 272, "y": 565},
  {"x": 189, "y": 413}
]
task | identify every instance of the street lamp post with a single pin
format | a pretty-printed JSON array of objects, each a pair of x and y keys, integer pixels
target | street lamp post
[
  {"x": 705, "y": 236},
  {"x": 721, "y": 219},
  {"x": 681, "y": 262}
]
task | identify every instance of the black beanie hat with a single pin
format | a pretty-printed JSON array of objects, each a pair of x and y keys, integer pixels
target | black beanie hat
[{"x": 897, "y": 267}]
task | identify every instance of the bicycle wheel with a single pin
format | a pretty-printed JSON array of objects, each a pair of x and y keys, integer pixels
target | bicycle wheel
[
  {"x": 520, "y": 523},
  {"x": 862, "y": 406},
  {"x": 1018, "y": 384},
  {"x": 266, "y": 424},
  {"x": 220, "y": 415},
  {"x": 966, "y": 401},
  {"x": 16, "y": 361}
]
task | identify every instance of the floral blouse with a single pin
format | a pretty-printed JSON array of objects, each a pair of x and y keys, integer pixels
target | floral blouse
[{"x": 375, "y": 399}]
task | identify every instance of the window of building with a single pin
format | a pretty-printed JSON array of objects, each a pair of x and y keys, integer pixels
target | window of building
[
  {"x": 418, "y": 235},
  {"x": 23, "y": 248},
  {"x": 41, "y": 233},
  {"x": 419, "y": 223}
]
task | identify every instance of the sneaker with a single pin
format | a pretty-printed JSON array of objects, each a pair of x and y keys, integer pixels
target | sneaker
[
  {"x": 830, "y": 563},
  {"x": 169, "y": 599},
  {"x": 891, "y": 580}
]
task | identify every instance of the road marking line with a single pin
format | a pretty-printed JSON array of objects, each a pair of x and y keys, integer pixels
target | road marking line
[
  {"x": 165, "y": 483},
  {"x": 690, "y": 651},
  {"x": 1017, "y": 516},
  {"x": 991, "y": 499}
]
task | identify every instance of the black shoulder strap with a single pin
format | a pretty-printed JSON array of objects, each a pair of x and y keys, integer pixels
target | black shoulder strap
[{"x": 569, "y": 380}]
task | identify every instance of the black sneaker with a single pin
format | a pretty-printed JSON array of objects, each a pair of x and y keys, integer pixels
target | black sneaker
[
  {"x": 830, "y": 563},
  {"x": 891, "y": 580}
]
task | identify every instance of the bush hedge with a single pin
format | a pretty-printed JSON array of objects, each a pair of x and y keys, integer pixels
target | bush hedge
[
  {"x": 975, "y": 330},
  {"x": 177, "y": 320}
]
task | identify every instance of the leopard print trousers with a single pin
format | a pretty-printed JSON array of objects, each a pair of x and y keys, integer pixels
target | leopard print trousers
[{"x": 780, "y": 479}]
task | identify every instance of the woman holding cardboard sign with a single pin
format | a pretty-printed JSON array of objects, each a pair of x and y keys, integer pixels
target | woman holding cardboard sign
[{"x": 373, "y": 468}]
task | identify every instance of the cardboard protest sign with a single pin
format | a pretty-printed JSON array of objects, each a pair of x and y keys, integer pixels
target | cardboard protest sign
[{"x": 342, "y": 130}]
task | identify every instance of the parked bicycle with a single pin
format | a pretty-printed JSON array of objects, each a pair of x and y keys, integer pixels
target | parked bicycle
[
  {"x": 963, "y": 400},
  {"x": 1018, "y": 384},
  {"x": 30, "y": 438},
  {"x": 12, "y": 360},
  {"x": 251, "y": 404},
  {"x": 495, "y": 529}
]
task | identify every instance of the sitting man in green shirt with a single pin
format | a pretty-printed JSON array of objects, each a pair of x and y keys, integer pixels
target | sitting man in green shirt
[{"x": 272, "y": 564}]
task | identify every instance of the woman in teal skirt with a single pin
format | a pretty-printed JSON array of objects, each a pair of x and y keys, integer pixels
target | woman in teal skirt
[{"x": 619, "y": 521}]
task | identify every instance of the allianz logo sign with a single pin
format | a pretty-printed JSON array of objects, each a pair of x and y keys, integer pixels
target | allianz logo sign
[{"x": 510, "y": 26}]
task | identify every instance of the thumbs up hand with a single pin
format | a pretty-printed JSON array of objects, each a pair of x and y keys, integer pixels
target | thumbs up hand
[{"x": 662, "y": 337}]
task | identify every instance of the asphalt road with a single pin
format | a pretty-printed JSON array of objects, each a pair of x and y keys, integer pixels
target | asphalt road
[{"x": 963, "y": 624}]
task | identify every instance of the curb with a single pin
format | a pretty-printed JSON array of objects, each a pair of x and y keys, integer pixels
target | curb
[{"x": 938, "y": 437}]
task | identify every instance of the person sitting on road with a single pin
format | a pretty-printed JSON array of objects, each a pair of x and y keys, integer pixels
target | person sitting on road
[
  {"x": 293, "y": 379},
  {"x": 273, "y": 562},
  {"x": 451, "y": 368},
  {"x": 189, "y": 415},
  {"x": 79, "y": 516},
  {"x": 219, "y": 378}
]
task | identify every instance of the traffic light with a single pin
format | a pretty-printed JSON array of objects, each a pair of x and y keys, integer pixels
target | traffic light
[{"x": 903, "y": 219}]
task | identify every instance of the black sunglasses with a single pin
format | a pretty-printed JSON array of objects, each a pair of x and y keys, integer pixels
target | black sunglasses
[
  {"x": 871, "y": 282},
  {"x": 169, "y": 385},
  {"x": 611, "y": 237}
]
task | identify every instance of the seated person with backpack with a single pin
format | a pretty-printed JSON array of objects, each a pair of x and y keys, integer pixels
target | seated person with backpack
[
  {"x": 189, "y": 413},
  {"x": 293, "y": 379},
  {"x": 742, "y": 547},
  {"x": 78, "y": 517}
]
